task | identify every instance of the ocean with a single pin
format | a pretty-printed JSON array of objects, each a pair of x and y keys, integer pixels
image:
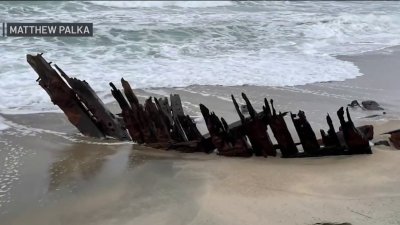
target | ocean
[{"x": 178, "y": 44}]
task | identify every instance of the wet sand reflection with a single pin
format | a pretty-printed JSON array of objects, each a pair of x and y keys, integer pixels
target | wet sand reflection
[{"x": 78, "y": 162}]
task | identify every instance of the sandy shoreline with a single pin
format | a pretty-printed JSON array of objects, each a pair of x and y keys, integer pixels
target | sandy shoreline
[{"x": 52, "y": 175}]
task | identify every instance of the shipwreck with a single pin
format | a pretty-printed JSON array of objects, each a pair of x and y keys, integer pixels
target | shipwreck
[{"x": 162, "y": 123}]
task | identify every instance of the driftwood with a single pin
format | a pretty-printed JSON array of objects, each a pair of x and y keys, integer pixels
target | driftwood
[
  {"x": 162, "y": 124},
  {"x": 80, "y": 104}
]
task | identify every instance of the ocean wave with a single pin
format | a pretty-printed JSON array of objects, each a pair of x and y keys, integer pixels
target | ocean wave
[
  {"x": 151, "y": 4},
  {"x": 177, "y": 44}
]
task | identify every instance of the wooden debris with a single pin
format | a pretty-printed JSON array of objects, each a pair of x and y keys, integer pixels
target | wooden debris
[
  {"x": 106, "y": 120},
  {"x": 394, "y": 138},
  {"x": 356, "y": 142},
  {"x": 256, "y": 130},
  {"x": 128, "y": 116},
  {"x": 279, "y": 129},
  {"x": 306, "y": 134},
  {"x": 227, "y": 142},
  {"x": 330, "y": 139},
  {"x": 160, "y": 123},
  {"x": 82, "y": 106}
]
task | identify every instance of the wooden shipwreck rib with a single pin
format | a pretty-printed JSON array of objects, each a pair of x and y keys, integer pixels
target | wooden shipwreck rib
[
  {"x": 160, "y": 123},
  {"x": 78, "y": 101}
]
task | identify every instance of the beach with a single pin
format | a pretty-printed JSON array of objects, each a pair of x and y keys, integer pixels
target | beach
[{"x": 50, "y": 174}]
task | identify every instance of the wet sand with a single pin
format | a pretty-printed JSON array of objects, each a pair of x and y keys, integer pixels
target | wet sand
[{"x": 49, "y": 174}]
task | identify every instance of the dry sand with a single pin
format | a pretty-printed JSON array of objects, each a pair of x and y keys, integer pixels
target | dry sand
[{"x": 49, "y": 174}]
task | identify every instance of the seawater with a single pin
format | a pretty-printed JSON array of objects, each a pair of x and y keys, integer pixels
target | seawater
[{"x": 177, "y": 44}]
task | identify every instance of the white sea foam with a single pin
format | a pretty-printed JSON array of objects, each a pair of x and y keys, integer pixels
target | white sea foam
[
  {"x": 144, "y": 4},
  {"x": 177, "y": 44},
  {"x": 3, "y": 125}
]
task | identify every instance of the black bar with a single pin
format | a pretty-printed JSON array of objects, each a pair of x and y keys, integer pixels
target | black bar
[{"x": 49, "y": 29}]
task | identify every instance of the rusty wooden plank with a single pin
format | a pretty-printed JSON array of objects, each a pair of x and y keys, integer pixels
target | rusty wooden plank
[
  {"x": 64, "y": 97},
  {"x": 356, "y": 142},
  {"x": 280, "y": 130},
  {"x": 255, "y": 130},
  {"x": 106, "y": 120},
  {"x": 305, "y": 132},
  {"x": 161, "y": 130},
  {"x": 185, "y": 125},
  {"x": 127, "y": 115},
  {"x": 141, "y": 120},
  {"x": 226, "y": 142},
  {"x": 395, "y": 139},
  {"x": 330, "y": 139}
]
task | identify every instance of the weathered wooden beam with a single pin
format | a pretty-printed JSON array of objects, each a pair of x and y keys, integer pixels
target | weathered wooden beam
[
  {"x": 280, "y": 130},
  {"x": 141, "y": 120},
  {"x": 222, "y": 139},
  {"x": 186, "y": 126},
  {"x": 106, "y": 120},
  {"x": 64, "y": 97},
  {"x": 395, "y": 139},
  {"x": 237, "y": 140},
  {"x": 163, "y": 106},
  {"x": 305, "y": 132},
  {"x": 255, "y": 130},
  {"x": 330, "y": 139},
  {"x": 356, "y": 142},
  {"x": 162, "y": 132},
  {"x": 128, "y": 116}
]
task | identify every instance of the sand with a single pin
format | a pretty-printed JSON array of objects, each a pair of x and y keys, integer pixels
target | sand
[{"x": 49, "y": 174}]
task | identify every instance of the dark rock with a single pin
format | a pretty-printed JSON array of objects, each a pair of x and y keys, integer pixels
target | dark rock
[
  {"x": 371, "y": 105},
  {"x": 384, "y": 142},
  {"x": 354, "y": 103}
]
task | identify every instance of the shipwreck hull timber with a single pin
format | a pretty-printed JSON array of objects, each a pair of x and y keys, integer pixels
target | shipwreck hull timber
[
  {"x": 255, "y": 129},
  {"x": 227, "y": 142},
  {"x": 131, "y": 122},
  {"x": 64, "y": 97},
  {"x": 160, "y": 123},
  {"x": 356, "y": 141},
  {"x": 305, "y": 132},
  {"x": 106, "y": 120},
  {"x": 280, "y": 130}
]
